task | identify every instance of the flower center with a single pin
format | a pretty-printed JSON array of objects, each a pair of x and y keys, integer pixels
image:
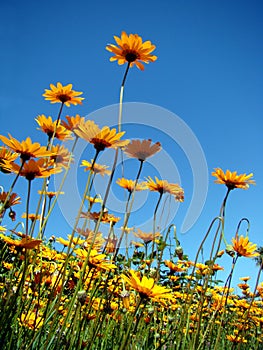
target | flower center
[
  {"x": 100, "y": 144},
  {"x": 63, "y": 97},
  {"x": 131, "y": 56}
]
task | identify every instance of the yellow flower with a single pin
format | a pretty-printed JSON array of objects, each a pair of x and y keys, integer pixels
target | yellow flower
[
  {"x": 96, "y": 199},
  {"x": 100, "y": 138},
  {"x": 146, "y": 237},
  {"x": 97, "y": 168},
  {"x": 96, "y": 259},
  {"x": 163, "y": 186},
  {"x": 31, "y": 320},
  {"x": 146, "y": 287},
  {"x": 63, "y": 94},
  {"x": 34, "y": 169},
  {"x": 232, "y": 180},
  {"x": 33, "y": 217},
  {"x": 26, "y": 148},
  {"x": 129, "y": 185},
  {"x": 13, "y": 199},
  {"x": 48, "y": 126},
  {"x": 6, "y": 159},
  {"x": 142, "y": 149},
  {"x": 106, "y": 217},
  {"x": 132, "y": 49},
  {"x": 243, "y": 247},
  {"x": 236, "y": 339},
  {"x": 61, "y": 156},
  {"x": 50, "y": 194},
  {"x": 72, "y": 122}
]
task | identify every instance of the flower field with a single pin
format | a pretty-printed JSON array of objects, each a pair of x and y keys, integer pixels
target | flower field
[{"x": 84, "y": 291}]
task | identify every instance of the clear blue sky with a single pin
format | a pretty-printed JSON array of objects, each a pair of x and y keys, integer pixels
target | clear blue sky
[{"x": 208, "y": 72}]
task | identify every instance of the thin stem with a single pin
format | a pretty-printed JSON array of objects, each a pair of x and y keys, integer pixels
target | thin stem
[{"x": 27, "y": 204}]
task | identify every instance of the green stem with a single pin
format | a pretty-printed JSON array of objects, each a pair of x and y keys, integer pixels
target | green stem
[{"x": 27, "y": 204}]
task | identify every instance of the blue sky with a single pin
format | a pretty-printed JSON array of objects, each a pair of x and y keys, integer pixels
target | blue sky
[{"x": 208, "y": 72}]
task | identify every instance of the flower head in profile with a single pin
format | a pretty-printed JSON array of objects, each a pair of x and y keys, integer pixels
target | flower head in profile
[
  {"x": 232, "y": 180},
  {"x": 100, "y": 138},
  {"x": 146, "y": 287},
  {"x": 146, "y": 237},
  {"x": 243, "y": 247},
  {"x": 142, "y": 149},
  {"x": 34, "y": 169},
  {"x": 50, "y": 194},
  {"x": 106, "y": 217},
  {"x": 50, "y": 127},
  {"x": 61, "y": 156},
  {"x": 26, "y": 148},
  {"x": 6, "y": 159},
  {"x": 129, "y": 185},
  {"x": 63, "y": 94},
  {"x": 9, "y": 199},
  {"x": 132, "y": 49},
  {"x": 96, "y": 168},
  {"x": 72, "y": 122},
  {"x": 163, "y": 186},
  {"x": 96, "y": 260}
]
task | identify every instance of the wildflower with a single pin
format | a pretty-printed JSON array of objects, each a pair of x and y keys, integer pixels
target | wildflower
[
  {"x": 6, "y": 159},
  {"x": 96, "y": 168},
  {"x": 50, "y": 127},
  {"x": 96, "y": 199},
  {"x": 13, "y": 199},
  {"x": 142, "y": 149},
  {"x": 100, "y": 138},
  {"x": 163, "y": 186},
  {"x": 61, "y": 156},
  {"x": 34, "y": 169},
  {"x": 31, "y": 320},
  {"x": 106, "y": 217},
  {"x": 243, "y": 247},
  {"x": 129, "y": 185},
  {"x": 63, "y": 94},
  {"x": 245, "y": 279},
  {"x": 72, "y": 122},
  {"x": 26, "y": 242},
  {"x": 146, "y": 237},
  {"x": 179, "y": 267},
  {"x": 232, "y": 180},
  {"x": 132, "y": 49},
  {"x": 33, "y": 217},
  {"x": 50, "y": 194},
  {"x": 26, "y": 148},
  {"x": 146, "y": 287},
  {"x": 96, "y": 259},
  {"x": 236, "y": 339}
]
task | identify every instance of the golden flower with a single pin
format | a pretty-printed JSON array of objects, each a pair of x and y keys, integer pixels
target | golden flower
[
  {"x": 97, "y": 168},
  {"x": 9, "y": 199},
  {"x": 137, "y": 244},
  {"x": 243, "y": 247},
  {"x": 175, "y": 267},
  {"x": 163, "y": 186},
  {"x": 96, "y": 199},
  {"x": 106, "y": 217},
  {"x": 146, "y": 287},
  {"x": 232, "y": 180},
  {"x": 33, "y": 217},
  {"x": 132, "y": 49},
  {"x": 61, "y": 156},
  {"x": 96, "y": 242},
  {"x": 25, "y": 242},
  {"x": 48, "y": 126},
  {"x": 245, "y": 279},
  {"x": 34, "y": 169},
  {"x": 31, "y": 320},
  {"x": 26, "y": 148},
  {"x": 100, "y": 138},
  {"x": 6, "y": 159},
  {"x": 142, "y": 149},
  {"x": 129, "y": 185},
  {"x": 50, "y": 194},
  {"x": 63, "y": 94},
  {"x": 72, "y": 122},
  {"x": 96, "y": 259},
  {"x": 236, "y": 339},
  {"x": 146, "y": 237}
]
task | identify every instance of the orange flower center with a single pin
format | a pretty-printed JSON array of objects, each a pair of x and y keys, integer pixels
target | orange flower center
[
  {"x": 100, "y": 144},
  {"x": 63, "y": 97}
]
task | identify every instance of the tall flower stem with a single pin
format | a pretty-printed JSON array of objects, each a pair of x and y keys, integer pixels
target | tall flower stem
[
  {"x": 27, "y": 204},
  {"x": 121, "y": 97}
]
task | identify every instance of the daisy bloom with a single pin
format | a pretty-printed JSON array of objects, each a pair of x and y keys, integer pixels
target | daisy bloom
[
  {"x": 33, "y": 217},
  {"x": 146, "y": 287},
  {"x": 129, "y": 185},
  {"x": 106, "y": 217},
  {"x": 243, "y": 247},
  {"x": 97, "y": 168},
  {"x": 232, "y": 180},
  {"x": 26, "y": 148},
  {"x": 96, "y": 259},
  {"x": 63, "y": 94},
  {"x": 6, "y": 159},
  {"x": 142, "y": 149},
  {"x": 50, "y": 194},
  {"x": 163, "y": 186},
  {"x": 96, "y": 199},
  {"x": 132, "y": 49},
  {"x": 146, "y": 237},
  {"x": 34, "y": 169},
  {"x": 72, "y": 122},
  {"x": 48, "y": 126},
  {"x": 13, "y": 199},
  {"x": 100, "y": 138},
  {"x": 61, "y": 156}
]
